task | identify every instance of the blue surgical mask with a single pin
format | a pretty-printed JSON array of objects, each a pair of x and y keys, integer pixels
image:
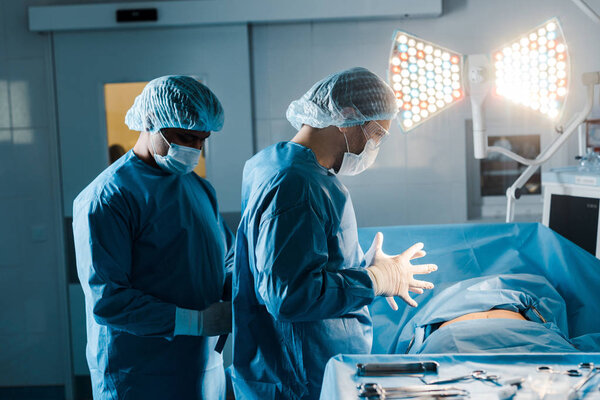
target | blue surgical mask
[{"x": 179, "y": 160}]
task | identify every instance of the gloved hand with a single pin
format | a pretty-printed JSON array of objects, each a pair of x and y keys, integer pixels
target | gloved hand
[
  {"x": 215, "y": 320},
  {"x": 393, "y": 275}
]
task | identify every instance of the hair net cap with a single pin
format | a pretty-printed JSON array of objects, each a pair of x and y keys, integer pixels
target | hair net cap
[
  {"x": 175, "y": 102},
  {"x": 347, "y": 98}
]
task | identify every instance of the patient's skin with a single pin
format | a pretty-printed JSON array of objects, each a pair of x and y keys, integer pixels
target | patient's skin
[{"x": 506, "y": 314}]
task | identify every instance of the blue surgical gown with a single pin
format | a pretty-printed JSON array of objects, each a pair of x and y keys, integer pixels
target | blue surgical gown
[
  {"x": 300, "y": 288},
  {"x": 147, "y": 241}
]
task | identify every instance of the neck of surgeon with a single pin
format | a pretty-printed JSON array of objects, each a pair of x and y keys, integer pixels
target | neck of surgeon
[
  {"x": 328, "y": 144},
  {"x": 142, "y": 149}
]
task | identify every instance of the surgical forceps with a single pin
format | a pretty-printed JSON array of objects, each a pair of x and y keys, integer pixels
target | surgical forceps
[
  {"x": 478, "y": 374},
  {"x": 574, "y": 391},
  {"x": 569, "y": 372},
  {"x": 374, "y": 391}
]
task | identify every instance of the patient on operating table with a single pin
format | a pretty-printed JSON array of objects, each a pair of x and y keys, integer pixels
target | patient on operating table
[{"x": 518, "y": 313}]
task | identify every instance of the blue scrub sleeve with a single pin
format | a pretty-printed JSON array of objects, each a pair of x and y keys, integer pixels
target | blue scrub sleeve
[
  {"x": 104, "y": 246},
  {"x": 293, "y": 276}
]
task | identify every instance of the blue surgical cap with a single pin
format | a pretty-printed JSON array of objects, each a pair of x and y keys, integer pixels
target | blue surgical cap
[
  {"x": 347, "y": 98},
  {"x": 175, "y": 102}
]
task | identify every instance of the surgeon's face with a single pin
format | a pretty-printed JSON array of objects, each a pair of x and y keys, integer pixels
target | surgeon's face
[
  {"x": 360, "y": 134},
  {"x": 182, "y": 137}
]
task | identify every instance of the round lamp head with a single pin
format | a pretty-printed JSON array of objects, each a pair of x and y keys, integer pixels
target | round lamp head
[
  {"x": 533, "y": 69},
  {"x": 426, "y": 78}
]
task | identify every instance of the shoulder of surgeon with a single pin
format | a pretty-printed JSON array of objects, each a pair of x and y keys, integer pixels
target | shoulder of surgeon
[
  {"x": 283, "y": 176},
  {"x": 122, "y": 184}
]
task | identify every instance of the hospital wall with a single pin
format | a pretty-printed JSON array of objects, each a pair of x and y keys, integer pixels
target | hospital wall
[
  {"x": 33, "y": 317},
  {"x": 419, "y": 178}
]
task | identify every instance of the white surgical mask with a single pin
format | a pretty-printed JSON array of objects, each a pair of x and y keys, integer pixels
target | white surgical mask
[
  {"x": 354, "y": 164},
  {"x": 179, "y": 160}
]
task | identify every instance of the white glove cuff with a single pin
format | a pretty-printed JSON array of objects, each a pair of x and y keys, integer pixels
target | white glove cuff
[
  {"x": 186, "y": 322},
  {"x": 372, "y": 274}
]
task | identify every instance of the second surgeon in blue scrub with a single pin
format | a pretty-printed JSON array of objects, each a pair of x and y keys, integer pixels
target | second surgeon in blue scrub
[
  {"x": 153, "y": 255},
  {"x": 301, "y": 281}
]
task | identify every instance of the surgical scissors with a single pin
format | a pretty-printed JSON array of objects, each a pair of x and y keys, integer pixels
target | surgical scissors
[
  {"x": 550, "y": 370},
  {"x": 478, "y": 374}
]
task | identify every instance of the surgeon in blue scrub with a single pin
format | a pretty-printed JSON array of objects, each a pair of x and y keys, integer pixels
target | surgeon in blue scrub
[
  {"x": 154, "y": 255},
  {"x": 301, "y": 282}
]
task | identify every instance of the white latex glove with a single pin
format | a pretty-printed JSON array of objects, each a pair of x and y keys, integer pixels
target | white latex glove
[
  {"x": 393, "y": 275},
  {"x": 215, "y": 320}
]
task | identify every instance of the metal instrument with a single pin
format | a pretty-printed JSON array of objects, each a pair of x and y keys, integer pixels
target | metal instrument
[
  {"x": 479, "y": 375},
  {"x": 550, "y": 370},
  {"x": 392, "y": 369},
  {"x": 574, "y": 391},
  {"x": 374, "y": 391}
]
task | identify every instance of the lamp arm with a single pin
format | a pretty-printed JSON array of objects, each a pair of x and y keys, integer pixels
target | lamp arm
[
  {"x": 587, "y": 10},
  {"x": 582, "y": 142},
  {"x": 558, "y": 142},
  {"x": 480, "y": 146},
  {"x": 479, "y": 81},
  {"x": 512, "y": 194},
  {"x": 514, "y": 156},
  {"x": 589, "y": 80}
]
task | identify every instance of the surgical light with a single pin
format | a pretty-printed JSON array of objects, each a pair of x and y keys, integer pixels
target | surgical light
[
  {"x": 532, "y": 71},
  {"x": 433, "y": 74}
]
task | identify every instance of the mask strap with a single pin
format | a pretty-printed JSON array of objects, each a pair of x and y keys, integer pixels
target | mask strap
[
  {"x": 152, "y": 141},
  {"x": 364, "y": 132},
  {"x": 347, "y": 147}
]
